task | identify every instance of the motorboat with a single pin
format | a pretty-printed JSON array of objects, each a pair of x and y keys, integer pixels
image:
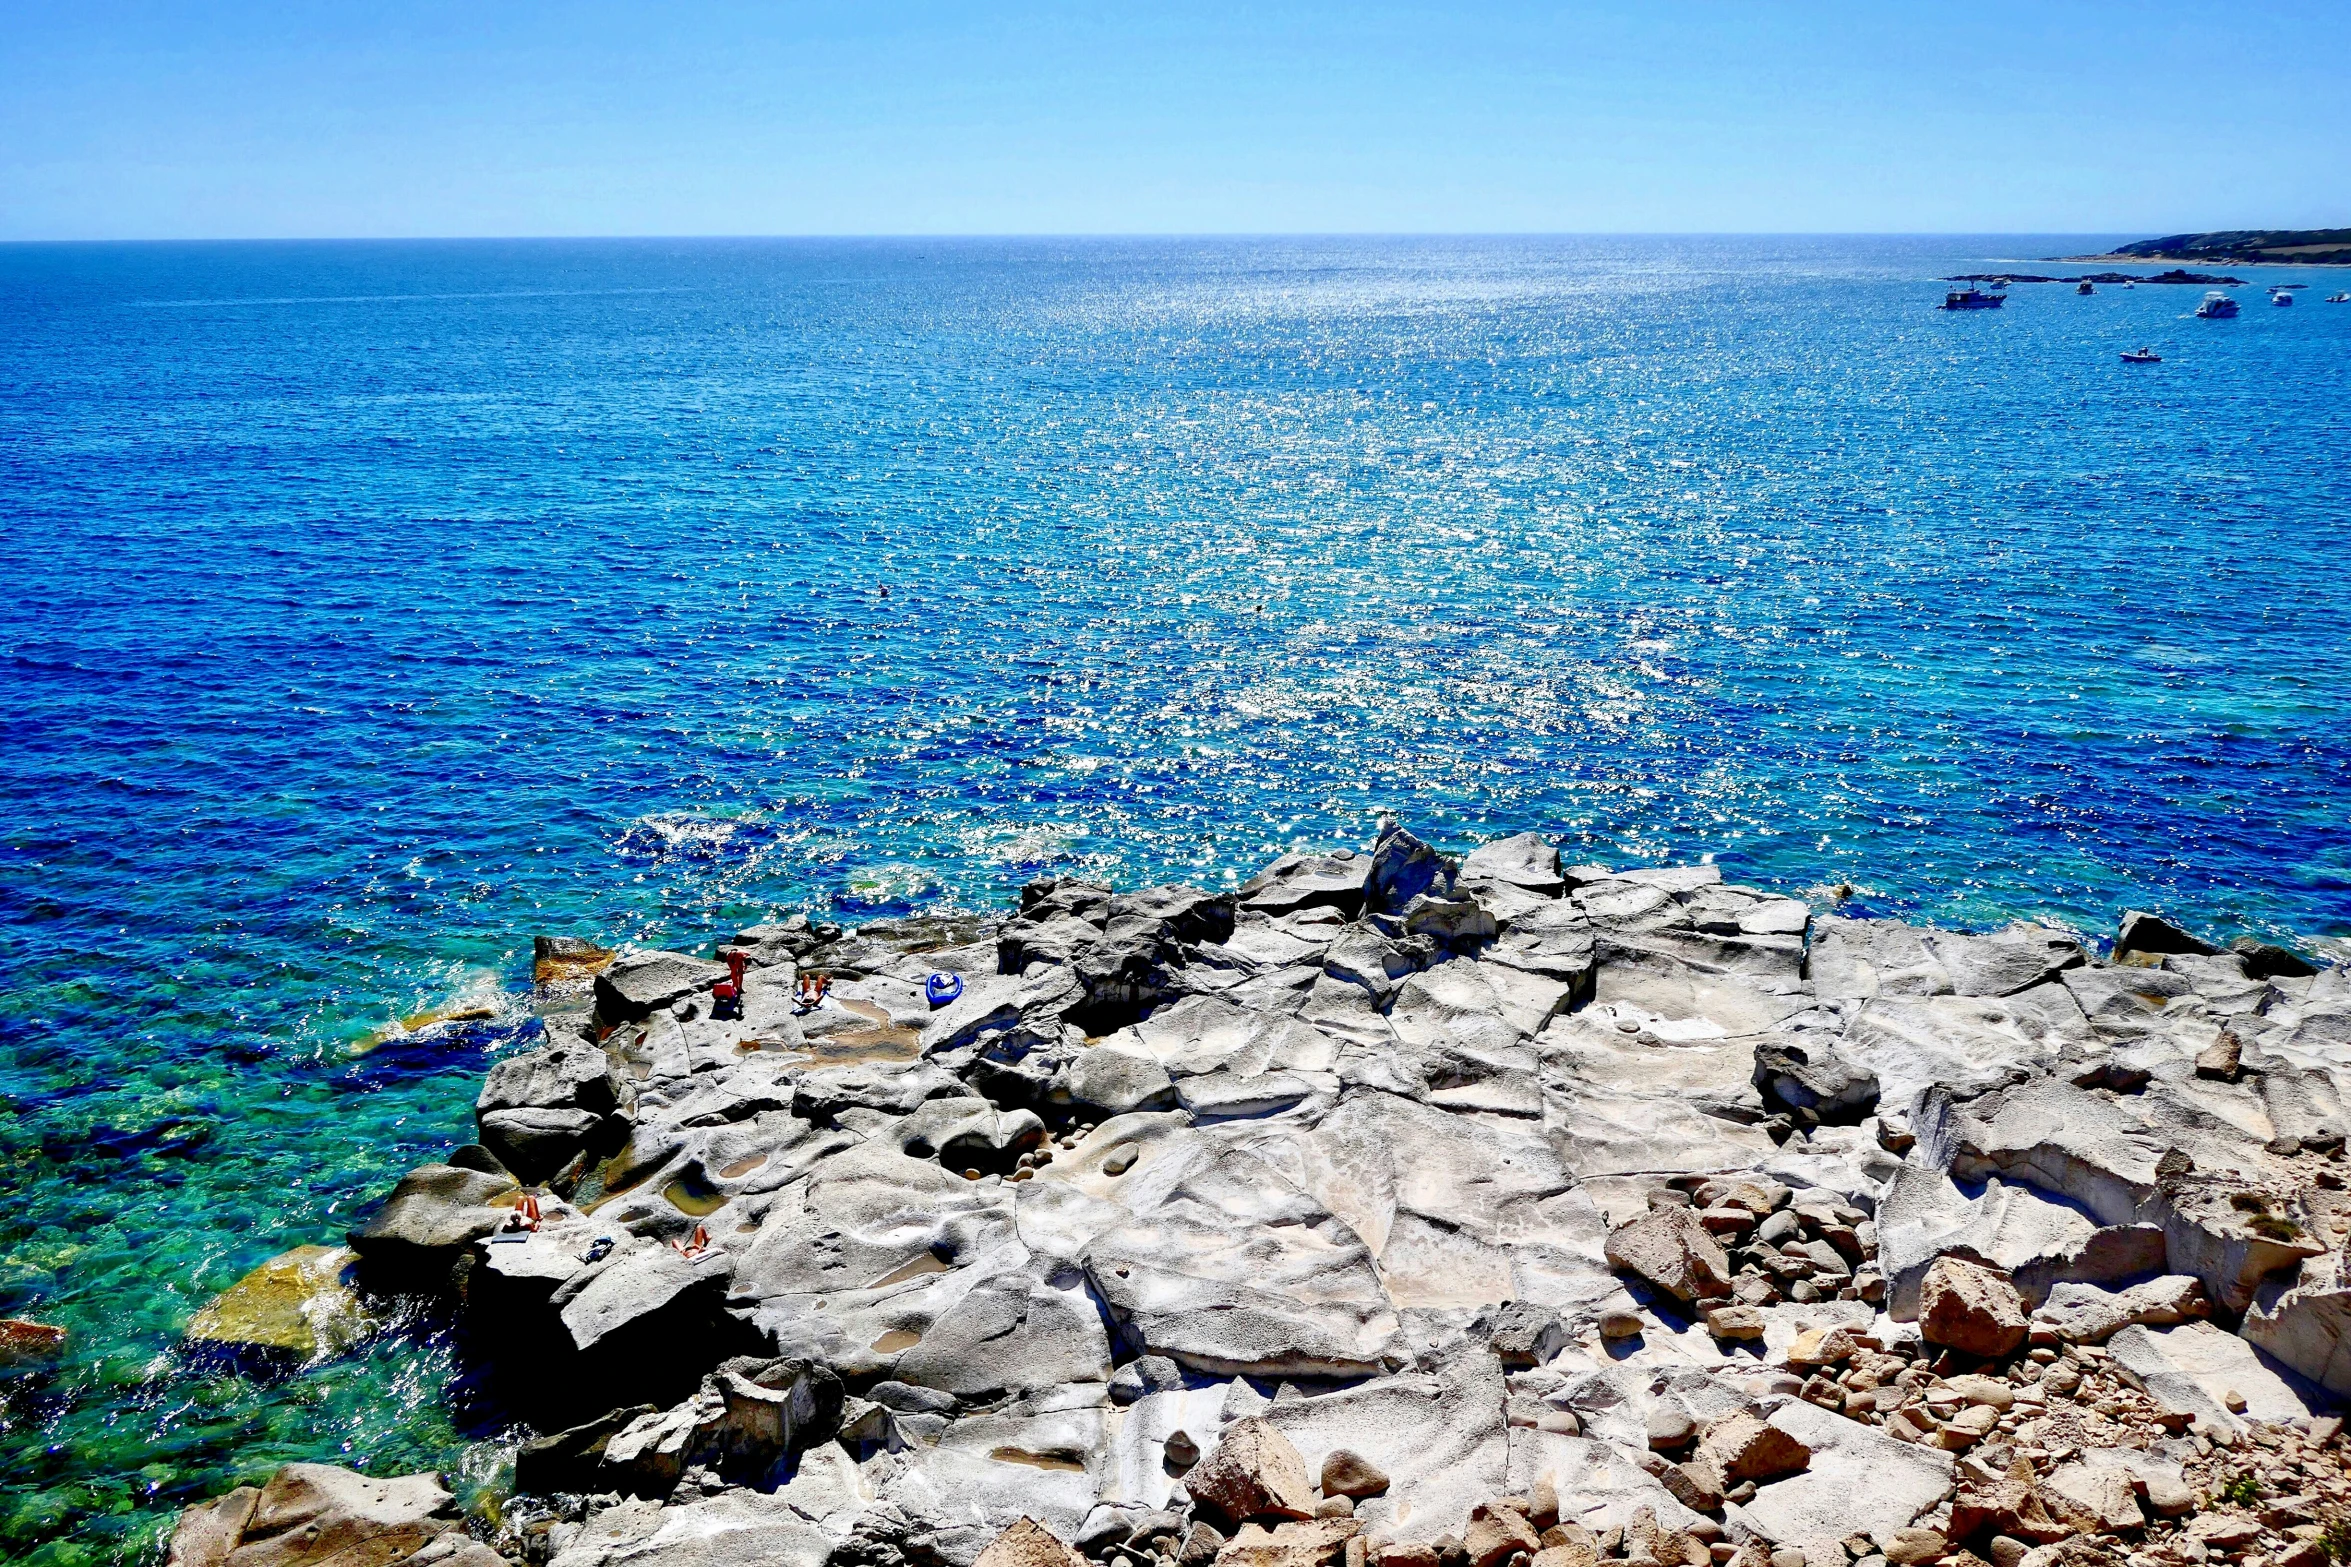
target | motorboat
[
  {"x": 2278, "y": 296},
  {"x": 2339, "y": 299},
  {"x": 1973, "y": 299},
  {"x": 2141, "y": 356},
  {"x": 2217, "y": 306},
  {"x": 2087, "y": 287}
]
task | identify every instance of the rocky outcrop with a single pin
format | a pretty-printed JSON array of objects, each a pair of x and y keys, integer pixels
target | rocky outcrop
[
  {"x": 316, "y": 1515},
  {"x": 429, "y": 1224},
  {"x": 1399, "y": 1208}
]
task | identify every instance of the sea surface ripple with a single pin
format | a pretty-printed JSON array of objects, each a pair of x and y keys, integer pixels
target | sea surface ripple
[{"x": 381, "y": 605}]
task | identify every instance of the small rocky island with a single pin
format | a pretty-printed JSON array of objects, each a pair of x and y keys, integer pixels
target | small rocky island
[
  {"x": 1391, "y": 1209},
  {"x": 2279, "y": 247}
]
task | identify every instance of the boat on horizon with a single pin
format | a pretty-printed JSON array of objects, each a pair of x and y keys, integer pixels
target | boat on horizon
[
  {"x": 2141, "y": 356},
  {"x": 1973, "y": 299},
  {"x": 2217, "y": 306}
]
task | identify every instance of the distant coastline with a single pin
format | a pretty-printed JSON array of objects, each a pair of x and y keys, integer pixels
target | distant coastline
[
  {"x": 2240, "y": 247},
  {"x": 2176, "y": 275}
]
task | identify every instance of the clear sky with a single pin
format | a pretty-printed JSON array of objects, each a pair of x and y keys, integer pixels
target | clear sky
[{"x": 200, "y": 118}]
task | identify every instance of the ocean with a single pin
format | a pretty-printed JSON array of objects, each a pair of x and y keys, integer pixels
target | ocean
[{"x": 379, "y": 606}]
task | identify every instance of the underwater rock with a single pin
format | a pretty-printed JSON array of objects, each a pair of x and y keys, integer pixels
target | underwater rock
[{"x": 300, "y": 1306}]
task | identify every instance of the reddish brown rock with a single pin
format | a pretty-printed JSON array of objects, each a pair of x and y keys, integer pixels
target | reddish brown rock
[
  {"x": 1496, "y": 1533},
  {"x": 310, "y": 1515},
  {"x": 1747, "y": 1448},
  {"x": 1028, "y": 1543},
  {"x": 1972, "y": 1309},
  {"x": 1313, "y": 1543},
  {"x": 1254, "y": 1472}
]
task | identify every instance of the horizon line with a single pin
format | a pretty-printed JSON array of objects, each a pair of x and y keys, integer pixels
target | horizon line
[{"x": 1084, "y": 234}]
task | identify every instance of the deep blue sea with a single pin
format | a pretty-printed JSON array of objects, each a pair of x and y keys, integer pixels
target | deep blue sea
[{"x": 373, "y": 607}]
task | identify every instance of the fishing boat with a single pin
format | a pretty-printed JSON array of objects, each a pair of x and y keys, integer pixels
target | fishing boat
[
  {"x": 1973, "y": 299},
  {"x": 2086, "y": 287},
  {"x": 2142, "y": 356},
  {"x": 2217, "y": 306}
]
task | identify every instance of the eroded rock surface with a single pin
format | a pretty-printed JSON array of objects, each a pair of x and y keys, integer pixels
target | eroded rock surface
[{"x": 1402, "y": 1209}]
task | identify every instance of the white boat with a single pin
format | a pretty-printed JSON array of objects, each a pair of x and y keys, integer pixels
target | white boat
[
  {"x": 2144, "y": 356},
  {"x": 2339, "y": 299},
  {"x": 2217, "y": 306},
  {"x": 2278, "y": 296}
]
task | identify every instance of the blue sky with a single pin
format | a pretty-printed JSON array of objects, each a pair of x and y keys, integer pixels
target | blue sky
[{"x": 519, "y": 117}]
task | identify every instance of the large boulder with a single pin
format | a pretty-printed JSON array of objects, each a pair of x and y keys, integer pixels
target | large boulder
[
  {"x": 300, "y": 1306},
  {"x": 537, "y": 1144},
  {"x": 641, "y": 1326},
  {"x": 1747, "y": 1447},
  {"x": 1305, "y": 1542},
  {"x": 1253, "y": 1472},
  {"x": 1672, "y": 1250},
  {"x": 431, "y": 1220},
  {"x": 317, "y": 1515},
  {"x": 641, "y": 982},
  {"x": 2153, "y": 935},
  {"x": 1815, "y": 1081},
  {"x": 573, "y": 1075},
  {"x": 1404, "y": 868},
  {"x": 1028, "y": 1543},
  {"x": 750, "y": 1420},
  {"x": 1970, "y": 1308}
]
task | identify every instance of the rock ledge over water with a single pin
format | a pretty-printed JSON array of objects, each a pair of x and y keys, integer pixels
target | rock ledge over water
[{"x": 1399, "y": 1209}]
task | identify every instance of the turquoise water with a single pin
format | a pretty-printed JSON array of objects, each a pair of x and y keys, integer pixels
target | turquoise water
[{"x": 378, "y": 606}]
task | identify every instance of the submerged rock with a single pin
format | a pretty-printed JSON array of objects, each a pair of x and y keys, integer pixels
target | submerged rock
[
  {"x": 300, "y": 1306},
  {"x": 23, "y": 1341}
]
